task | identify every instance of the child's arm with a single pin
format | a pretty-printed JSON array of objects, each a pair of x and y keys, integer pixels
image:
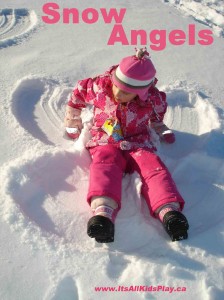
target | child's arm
[
  {"x": 82, "y": 94},
  {"x": 159, "y": 105}
]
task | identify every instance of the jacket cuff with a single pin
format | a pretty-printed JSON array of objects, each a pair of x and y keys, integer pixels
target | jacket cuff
[{"x": 70, "y": 103}]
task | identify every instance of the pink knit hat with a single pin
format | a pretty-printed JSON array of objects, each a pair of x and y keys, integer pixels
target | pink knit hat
[{"x": 135, "y": 74}]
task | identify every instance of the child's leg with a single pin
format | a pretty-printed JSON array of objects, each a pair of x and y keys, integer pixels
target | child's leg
[
  {"x": 158, "y": 187},
  {"x": 160, "y": 192},
  {"x": 104, "y": 196},
  {"x": 106, "y": 172}
]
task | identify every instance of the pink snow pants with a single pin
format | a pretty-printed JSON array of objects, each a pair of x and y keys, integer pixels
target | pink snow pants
[{"x": 110, "y": 163}]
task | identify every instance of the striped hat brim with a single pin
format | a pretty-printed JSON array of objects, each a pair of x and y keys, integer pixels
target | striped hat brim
[{"x": 130, "y": 82}]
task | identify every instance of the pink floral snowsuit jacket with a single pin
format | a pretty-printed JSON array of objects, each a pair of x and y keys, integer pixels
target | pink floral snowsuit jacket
[{"x": 134, "y": 117}]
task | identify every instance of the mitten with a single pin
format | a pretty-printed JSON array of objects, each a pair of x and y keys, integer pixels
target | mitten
[
  {"x": 73, "y": 122},
  {"x": 166, "y": 135}
]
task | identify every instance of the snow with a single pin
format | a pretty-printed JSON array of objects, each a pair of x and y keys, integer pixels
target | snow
[
  {"x": 207, "y": 12},
  {"x": 45, "y": 252},
  {"x": 16, "y": 24}
]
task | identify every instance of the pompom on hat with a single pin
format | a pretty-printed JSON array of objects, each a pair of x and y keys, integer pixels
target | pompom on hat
[{"x": 135, "y": 74}]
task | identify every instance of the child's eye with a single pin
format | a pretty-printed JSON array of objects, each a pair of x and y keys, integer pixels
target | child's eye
[
  {"x": 126, "y": 94},
  {"x": 123, "y": 92}
]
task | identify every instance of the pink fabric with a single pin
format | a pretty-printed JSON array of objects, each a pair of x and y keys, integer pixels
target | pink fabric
[
  {"x": 106, "y": 172},
  {"x": 169, "y": 138},
  {"x": 134, "y": 118},
  {"x": 107, "y": 168}
]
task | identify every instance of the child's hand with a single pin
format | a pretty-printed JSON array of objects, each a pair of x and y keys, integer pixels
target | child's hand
[
  {"x": 166, "y": 135},
  {"x": 73, "y": 122}
]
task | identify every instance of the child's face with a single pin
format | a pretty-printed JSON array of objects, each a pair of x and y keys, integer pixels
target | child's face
[{"x": 121, "y": 96}]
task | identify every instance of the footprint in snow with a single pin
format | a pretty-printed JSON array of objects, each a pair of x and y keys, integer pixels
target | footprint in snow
[
  {"x": 208, "y": 13},
  {"x": 65, "y": 290},
  {"x": 117, "y": 265},
  {"x": 16, "y": 25}
]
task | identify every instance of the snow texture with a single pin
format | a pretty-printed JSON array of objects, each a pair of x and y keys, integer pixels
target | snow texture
[
  {"x": 207, "y": 12},
  {"x": 45, "y": 252}
]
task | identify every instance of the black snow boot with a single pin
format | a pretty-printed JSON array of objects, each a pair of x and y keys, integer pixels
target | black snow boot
[
  {"x": 101, "y": 228},
  {"x": 176, "y": 225}
]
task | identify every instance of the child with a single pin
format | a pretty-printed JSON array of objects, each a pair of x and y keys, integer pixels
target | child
[{"x": 126, "y": 102}]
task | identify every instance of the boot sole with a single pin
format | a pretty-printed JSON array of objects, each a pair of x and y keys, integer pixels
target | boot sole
[
  {"x": 177, "y": 226},
  {"x": 101, "y": 228}
]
